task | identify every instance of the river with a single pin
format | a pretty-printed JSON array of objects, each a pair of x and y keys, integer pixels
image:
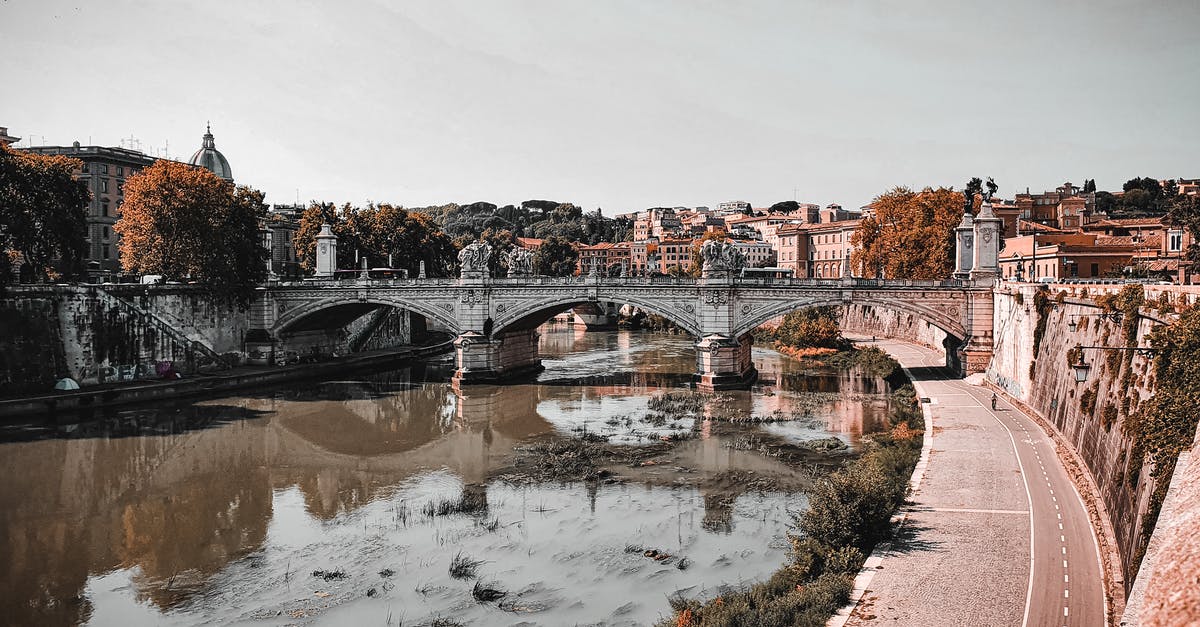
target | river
[{"x": 346, "y": 502}]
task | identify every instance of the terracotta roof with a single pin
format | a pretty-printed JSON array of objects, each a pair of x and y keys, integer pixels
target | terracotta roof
[
  {"x": 1029, "y": 225},
  {"x": 1126, "y": 222}
]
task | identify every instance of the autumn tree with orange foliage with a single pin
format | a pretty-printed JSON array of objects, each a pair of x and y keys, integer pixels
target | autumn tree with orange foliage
[
  {"x": 909, "y": 236},
  {"x": 188, "y": 224},
  {"x": 43, "y": 213}
]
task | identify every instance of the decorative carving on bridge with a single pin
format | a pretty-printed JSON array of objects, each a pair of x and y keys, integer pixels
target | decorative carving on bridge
[
  {"x": 716, "y": 299},
  {"x": 746, "y": 309},
  {"x": 519, "y": 261},
  {"x": 501, "y": 308},
  {"x": 471, "y": 298},
  {"x": 474, "y": 257},
  {"x": 721, "y": 257},
  {"x": 448, "y": 307}
]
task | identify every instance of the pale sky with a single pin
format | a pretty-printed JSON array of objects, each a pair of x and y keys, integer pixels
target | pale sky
[{"x": 617, "y": 104}]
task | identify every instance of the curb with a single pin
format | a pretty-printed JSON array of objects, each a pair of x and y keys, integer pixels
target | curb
[{"x": 862, "y": 581}]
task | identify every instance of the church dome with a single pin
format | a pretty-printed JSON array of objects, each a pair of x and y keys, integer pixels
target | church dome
[{"x": 210, "y": 158}]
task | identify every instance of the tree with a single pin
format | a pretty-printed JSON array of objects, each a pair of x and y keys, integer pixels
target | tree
[
  {"x": 557, "y": 256},
  {"x": 1089, "y": 186},
  {"x": 186, "y": 223},
  {"x": 910, "y": 234},
  {"x": 382, "y": 232},
  {"x": 305, "y": 239},
  {"x": 786, "y": 206},
  {"x": 42, "y": 212}
]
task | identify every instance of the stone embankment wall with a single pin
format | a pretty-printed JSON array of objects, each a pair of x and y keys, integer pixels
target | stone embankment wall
[
  {"x": 893, "y": 323},
  {"x": 1033, "y": 338},
  {"x": 99, "y": 334}
]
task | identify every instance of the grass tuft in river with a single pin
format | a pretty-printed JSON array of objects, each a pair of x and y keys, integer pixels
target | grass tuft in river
[
  {"x": 487, "y": 592},
  {"x": 463, "y": 566}
]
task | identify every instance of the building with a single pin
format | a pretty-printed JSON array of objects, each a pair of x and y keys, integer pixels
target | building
[
  {"x": 278, "y": 231},
  {"x": 758, "y": 254},
  {"x": 1066, "y": 256},
  {"x": 733, "y": 206},
  {"x": 1066, "y": 207},
  {"x": 210, "y": 158},
  {"x": 105, "y": 170},
  {"x": 605, "y": 256},
  {"x": 7, "y": 139},
  {"x": 817, "y": 251}
]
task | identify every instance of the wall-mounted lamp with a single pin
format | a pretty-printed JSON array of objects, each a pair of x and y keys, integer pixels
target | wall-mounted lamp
[{"x": 1081, "y": 367}]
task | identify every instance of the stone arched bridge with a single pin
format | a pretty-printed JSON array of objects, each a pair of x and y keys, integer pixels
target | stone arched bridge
[{"x": 495, "y": 320}]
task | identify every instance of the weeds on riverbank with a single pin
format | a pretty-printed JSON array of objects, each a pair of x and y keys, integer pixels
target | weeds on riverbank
[
  {"x": 562, "y": 460},
  {"x": 849, "y": 512}
]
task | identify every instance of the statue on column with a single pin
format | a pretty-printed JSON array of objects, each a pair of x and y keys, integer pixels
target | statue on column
[
  {"x": 519, "y": 261},
  {"x": 721, "y": 256},
  {"x": 474, "y": 258}
]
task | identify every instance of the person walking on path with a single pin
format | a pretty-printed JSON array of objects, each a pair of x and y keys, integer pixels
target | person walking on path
[{"x": 993, "y": 401}]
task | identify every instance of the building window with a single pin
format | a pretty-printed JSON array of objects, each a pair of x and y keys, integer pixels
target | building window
[
  {"x": 104, "y": 185},
  {"x": 120, "y": 171},
  {"x": 106, "y": 232},
  {"x": 105, "y": 251},
  {"x": 104, "y": 168},
  {"x": 1174, "y": 241},
  {"x": 104, "y": 208},
  {"x": 1095, "y": 269},
  {"x": 85, "y": 168}
]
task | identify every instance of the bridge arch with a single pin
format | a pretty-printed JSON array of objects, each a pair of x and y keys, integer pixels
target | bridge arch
[
  {"x": 533, "y": 314},
  {"x": 293, "y": 318},
  {"x": 951, "y": 326}
]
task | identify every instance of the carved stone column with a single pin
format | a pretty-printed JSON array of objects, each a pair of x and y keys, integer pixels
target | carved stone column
[
  {"x": 964, "y": 243},
  {"x": 986, "y": 262}
]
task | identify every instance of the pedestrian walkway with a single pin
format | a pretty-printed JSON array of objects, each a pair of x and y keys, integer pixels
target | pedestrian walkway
[{"x": 993, "y": 493}]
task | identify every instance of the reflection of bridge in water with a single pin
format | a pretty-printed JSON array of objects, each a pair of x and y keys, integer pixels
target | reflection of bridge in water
[{"x": 178, "y": 508}]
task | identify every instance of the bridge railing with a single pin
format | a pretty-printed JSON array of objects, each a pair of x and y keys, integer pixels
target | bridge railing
[{"x": 628, "y": 281}]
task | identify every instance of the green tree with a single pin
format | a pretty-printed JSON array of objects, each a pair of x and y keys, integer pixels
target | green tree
[
  {"x": 409, "y": 238},
  {"x": 813, "y": 327},
  {"x": 42, "y": 213},
  {"x": 305, "y": 239},
  {"x": 557, "y": 256},
  {"x": 186, "y": 223},
  {"x": 1089, "y": 186},
  {"x": 910, "y": 235}
]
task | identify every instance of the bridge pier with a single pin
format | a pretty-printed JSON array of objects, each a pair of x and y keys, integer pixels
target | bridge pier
[
  {"x": 483, "y": 359},
  {"x": 724, "y": 363}
]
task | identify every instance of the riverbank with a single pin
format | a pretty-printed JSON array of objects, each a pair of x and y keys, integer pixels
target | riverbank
[{"x": 113, "y": 395}]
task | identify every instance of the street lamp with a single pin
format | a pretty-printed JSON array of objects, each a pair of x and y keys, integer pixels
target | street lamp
[{"x": 1081, "y": 367}]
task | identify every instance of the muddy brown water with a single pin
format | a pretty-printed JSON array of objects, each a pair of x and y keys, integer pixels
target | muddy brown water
[{"x": 220, "y": 511}]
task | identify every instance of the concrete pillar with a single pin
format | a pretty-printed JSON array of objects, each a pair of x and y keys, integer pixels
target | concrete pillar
[
  {"x": 326, "y": 265},
  {"x": 986, "y": 262},
  {"x": 724, "y": 363},
  {"x": 964, "y": 239},
  {"x": 482, "y": 359}
]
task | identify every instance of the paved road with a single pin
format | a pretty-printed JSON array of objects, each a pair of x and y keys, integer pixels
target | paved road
[{"x": 962, "y": 556}]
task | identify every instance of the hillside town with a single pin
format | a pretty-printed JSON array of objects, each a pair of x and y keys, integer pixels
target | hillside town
[{"x": 1071, "y": 233}]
